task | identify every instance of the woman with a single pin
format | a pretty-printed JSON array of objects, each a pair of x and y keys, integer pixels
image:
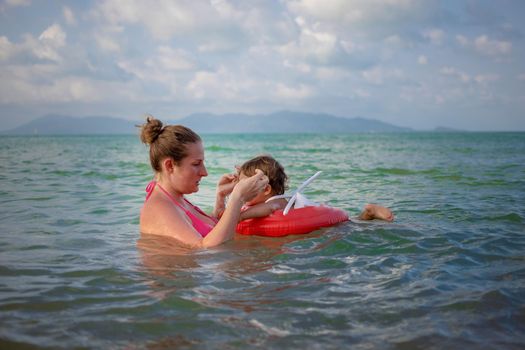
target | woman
[{"x": 177, "y": 157}]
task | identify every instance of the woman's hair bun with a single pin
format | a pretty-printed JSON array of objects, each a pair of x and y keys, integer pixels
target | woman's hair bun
[{"x": 150, "y": 130}]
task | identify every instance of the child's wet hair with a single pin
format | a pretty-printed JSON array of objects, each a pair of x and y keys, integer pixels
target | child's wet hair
[{"x": 271, "y": 168}]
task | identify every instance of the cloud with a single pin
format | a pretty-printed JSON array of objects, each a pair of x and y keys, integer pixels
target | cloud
[
  {"x": 484, "y": 79},
  {"x": 394, "y": 40},
  {"x": 159, "y": 66},
  {"x": 462, "y": 40},
  {"x": 227, "y": 85},
  {"x": 173, "y": 59},
  {"x": 212, "y": 28},
  {"x": 163, "y": 20},
  {"x": 218, "y": 45},
  {"x": 492, "y": 47},
  {"x": 435, "y": 36},
  {"x": 374, "y": 76},
  {"x": 14, "y": 3},
  {"x": 220, "y": 84},
  {"x": 352, "y": 33},
  {"x": 168, "y": 19},
  {"x": 450, "y": 71},
  {"x": 311, "y": 45},
  {"x": 226, "y": 10},
  {"x": 69, "y": 16},
  {"x": 486, "y": 46},
  {"x": 168, "y": 68},
  {"x": 53, "y": 36},
  {"x": 349, "y": 46},
  {"x": 51, "y": 39},
  {"x": 362, "y": 93},
  {"x": 299, "y": 67},
  {"x": 286, "y": 92},
  {"x": 106, "y": 43},
  {"x": 46, "y": 70},
  {"x": 43, "y": 83},
  {"x": 481, "y": 79},
  {"x": 378, "y": 75},
  {"x": 46, "y": 47},
  {"x": 355, "y": 11},
  {"x": 370, "y": 18},
  {"x": 349, "y": 57},
  {"x": 332, "y": 73},
  {"x": 7, "y": 49}
]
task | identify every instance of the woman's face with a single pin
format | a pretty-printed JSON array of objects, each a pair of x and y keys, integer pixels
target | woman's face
[{"x": 190, "y": 170}]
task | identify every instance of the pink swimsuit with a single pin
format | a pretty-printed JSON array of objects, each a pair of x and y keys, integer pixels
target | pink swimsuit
[{"x": 200, "y": 226}]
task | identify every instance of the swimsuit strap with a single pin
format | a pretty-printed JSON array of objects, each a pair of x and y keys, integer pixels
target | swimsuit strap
[
  {"x": 151, "y": 186},
  {"x": 199, "y": 210}
]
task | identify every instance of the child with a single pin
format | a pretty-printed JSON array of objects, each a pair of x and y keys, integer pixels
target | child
[{"x": 258, "y": 207}]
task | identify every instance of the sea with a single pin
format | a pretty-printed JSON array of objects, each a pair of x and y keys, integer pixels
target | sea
[{"x": 448, "y": 273}]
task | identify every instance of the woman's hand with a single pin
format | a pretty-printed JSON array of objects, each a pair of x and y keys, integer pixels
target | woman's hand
[
  {"x": 226, "y": 184},
  {"x": 250, "y": 187}
]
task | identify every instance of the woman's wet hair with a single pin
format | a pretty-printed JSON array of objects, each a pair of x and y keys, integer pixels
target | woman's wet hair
[
  {"x": 166, "y": 141},
  {"x": 271, "y": 168}
]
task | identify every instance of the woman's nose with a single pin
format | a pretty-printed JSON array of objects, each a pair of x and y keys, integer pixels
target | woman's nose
[{"x": 204, "y": 171}]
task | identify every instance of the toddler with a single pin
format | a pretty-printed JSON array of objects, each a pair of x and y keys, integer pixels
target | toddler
[{"x": 277, "y": 185}]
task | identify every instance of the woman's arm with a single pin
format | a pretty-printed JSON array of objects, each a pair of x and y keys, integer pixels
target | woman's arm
[
  {"x": 225, "y": 228},
  {"x": 243, "y": 191},
  {"x": 224, "y": 188}
]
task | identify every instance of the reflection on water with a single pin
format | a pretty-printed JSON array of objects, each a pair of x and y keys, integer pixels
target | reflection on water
[{"x": 171, "y": 267}]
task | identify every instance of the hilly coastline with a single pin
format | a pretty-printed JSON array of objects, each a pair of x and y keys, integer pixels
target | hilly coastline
[
  {"x": 284, "y": 122},
  {"x": 207, "y": 123}
]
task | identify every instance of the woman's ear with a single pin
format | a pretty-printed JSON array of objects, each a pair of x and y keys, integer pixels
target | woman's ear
[{"x": 168, "y": 164}]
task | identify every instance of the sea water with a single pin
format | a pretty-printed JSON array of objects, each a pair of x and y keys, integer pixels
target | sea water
[{"x": 448, "y": 273}]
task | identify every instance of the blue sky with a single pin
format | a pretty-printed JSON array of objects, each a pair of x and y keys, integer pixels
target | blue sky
[{"x": 414, "y": 63}]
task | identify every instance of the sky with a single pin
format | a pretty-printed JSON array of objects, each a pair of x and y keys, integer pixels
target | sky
[{"x": 412, "y": 63}]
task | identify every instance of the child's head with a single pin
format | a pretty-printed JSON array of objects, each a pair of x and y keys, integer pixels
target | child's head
[{"x": 271, "y": 168}]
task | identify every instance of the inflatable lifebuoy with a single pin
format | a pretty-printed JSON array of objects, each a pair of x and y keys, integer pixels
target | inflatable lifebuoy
[{"x": 297, "y": 221}]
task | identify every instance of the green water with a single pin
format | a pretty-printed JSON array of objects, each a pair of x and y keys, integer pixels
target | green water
[{"x": 449, "y": 273}]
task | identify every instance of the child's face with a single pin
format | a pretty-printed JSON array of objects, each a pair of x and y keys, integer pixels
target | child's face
[{"x": 261, "y": 197}]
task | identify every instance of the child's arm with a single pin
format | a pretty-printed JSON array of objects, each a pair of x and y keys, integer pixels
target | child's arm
[{"x": 263, "y": 209}]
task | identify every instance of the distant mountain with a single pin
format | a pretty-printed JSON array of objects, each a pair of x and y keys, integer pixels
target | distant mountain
[
  {"x": 284, "y": 122},
  {"x": 65, "y": 125},
  {"x": 206, "y": 123}
]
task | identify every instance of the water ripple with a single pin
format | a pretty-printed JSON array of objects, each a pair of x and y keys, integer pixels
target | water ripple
[{"x": 449, "y": 273}]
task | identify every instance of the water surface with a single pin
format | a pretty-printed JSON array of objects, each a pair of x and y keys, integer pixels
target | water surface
[{"x": 449, "y": 273}]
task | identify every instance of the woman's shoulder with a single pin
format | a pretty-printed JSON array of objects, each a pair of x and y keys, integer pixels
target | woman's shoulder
[{"x": 158, "y": 212}]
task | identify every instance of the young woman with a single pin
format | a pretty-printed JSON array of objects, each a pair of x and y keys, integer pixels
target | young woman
[{"x": 177, "y": 158}]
